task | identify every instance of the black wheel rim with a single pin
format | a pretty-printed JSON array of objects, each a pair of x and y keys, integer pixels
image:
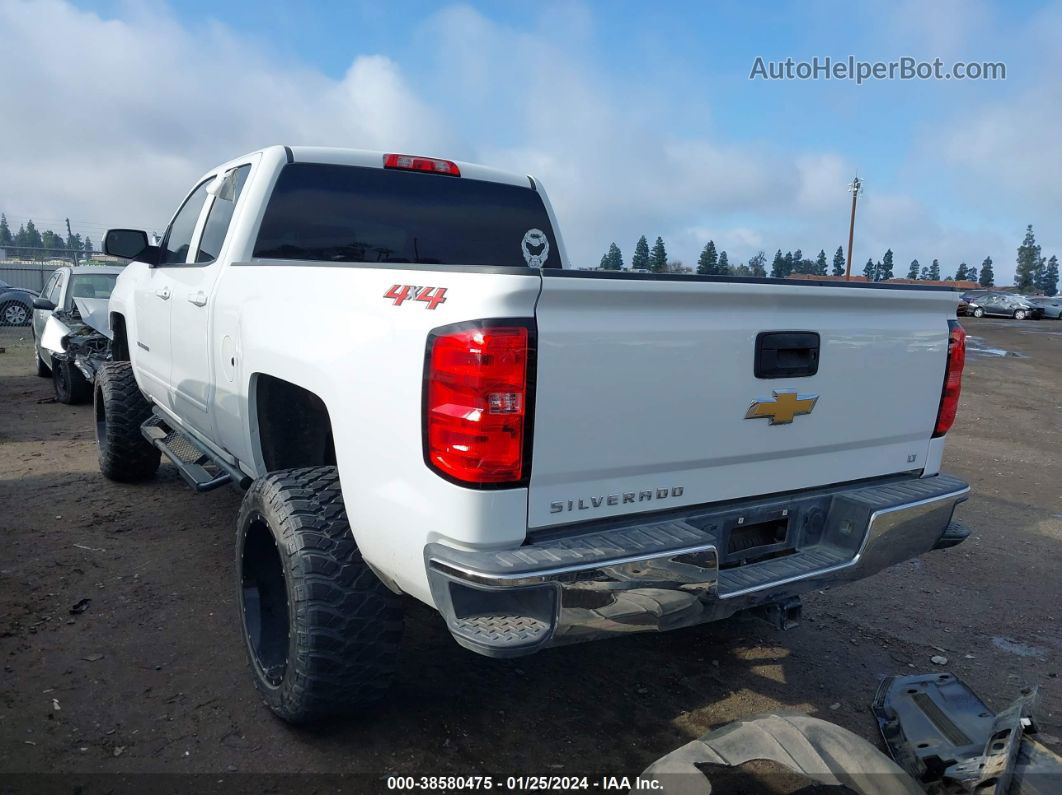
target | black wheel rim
[{"x": 264, "y": 599}]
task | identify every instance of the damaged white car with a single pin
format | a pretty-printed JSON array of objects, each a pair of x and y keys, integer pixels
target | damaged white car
[{"x": 71, "y": 329}]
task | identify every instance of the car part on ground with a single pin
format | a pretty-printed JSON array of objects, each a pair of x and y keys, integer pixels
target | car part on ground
[
  {"x": 777, "y": 753},
  {"x": 945, "y": 737}
]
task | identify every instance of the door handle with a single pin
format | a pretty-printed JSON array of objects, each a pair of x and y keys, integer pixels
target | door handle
[
  {"x": 163, "y": 293},
  {"x": 199, "y": 299}
]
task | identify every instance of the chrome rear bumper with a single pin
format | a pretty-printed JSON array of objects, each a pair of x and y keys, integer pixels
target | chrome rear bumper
[{"x": 685, "y": 567}]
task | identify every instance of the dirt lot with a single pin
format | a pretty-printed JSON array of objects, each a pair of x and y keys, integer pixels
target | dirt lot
[{"x": 151, "y": 676}]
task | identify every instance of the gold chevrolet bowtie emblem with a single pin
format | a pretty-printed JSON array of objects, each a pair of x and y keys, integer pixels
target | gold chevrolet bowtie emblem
[{"x": 781, "y": 410}]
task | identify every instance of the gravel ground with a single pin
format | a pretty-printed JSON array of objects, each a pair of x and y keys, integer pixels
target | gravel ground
[{"x": 150, "y": 677}]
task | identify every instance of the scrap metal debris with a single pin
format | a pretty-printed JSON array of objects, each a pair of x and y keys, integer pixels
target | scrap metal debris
[{"x": 943, "y": 735}]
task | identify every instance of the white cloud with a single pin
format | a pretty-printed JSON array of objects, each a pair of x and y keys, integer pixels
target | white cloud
[
  {"x": 116, "y": 118},
  {"x": 112, "y": 121}
]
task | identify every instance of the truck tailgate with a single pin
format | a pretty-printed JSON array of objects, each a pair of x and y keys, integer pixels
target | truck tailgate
[{"x": 643, "y": 387}]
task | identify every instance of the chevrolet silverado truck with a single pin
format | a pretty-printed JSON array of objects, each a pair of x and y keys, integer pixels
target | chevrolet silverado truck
[{"x": 393, "y": 356}]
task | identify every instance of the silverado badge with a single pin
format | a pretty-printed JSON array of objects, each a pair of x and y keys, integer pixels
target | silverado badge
[{"x": 785, "y": 405}]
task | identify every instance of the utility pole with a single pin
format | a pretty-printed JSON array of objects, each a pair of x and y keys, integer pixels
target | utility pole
[
  {"x": 69, "y": 239},
  {"x": 855, "y": 188}
]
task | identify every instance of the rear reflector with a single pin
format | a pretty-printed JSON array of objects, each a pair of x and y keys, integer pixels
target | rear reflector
[
  {"x": 949, "y": 396},
  {"x": 476, "y": 403},
  {"x": 417, "y": 163}
]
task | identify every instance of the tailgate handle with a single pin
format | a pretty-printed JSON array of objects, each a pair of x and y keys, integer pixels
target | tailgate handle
[{"x": 786, "y": 354}]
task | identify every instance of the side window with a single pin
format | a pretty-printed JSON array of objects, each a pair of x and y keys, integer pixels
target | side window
[
  {"x": 57, "y": 289},
  {"x": 49, "y": 288},
  {"x": 217, "y": 223},
  {"x": 179, "y": 236}
]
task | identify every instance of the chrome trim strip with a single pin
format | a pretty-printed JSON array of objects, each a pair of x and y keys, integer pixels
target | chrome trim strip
[{"x": 549, "y": 575}]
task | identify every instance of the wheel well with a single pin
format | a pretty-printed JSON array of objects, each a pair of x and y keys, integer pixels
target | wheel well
[
  {"x": 294, "y": 429},
  {"x": 119, "y": 340}
]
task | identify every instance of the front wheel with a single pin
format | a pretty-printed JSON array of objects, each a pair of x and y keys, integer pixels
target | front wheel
[
  {"x": 979, "y": 312},
  {"x": 43, "y": 370},
  {"x": 120, "y": 409},
  {"x": 1020, "y": 314},
  {"x": 322, "y": 632},
  {"x": 71, "y": 387}
]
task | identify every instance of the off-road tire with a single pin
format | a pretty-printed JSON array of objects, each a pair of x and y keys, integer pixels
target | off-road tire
[
  {"x": 43, "y": 370},
  {"x": 70, "y": 385},
  {"x": 322, "y": 632},
  {"x": 120, "y": 409}
]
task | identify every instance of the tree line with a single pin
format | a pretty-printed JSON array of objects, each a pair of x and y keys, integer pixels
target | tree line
[
  {"x": 1034, "y": 272},
  {"x": 36, "y": 243}
]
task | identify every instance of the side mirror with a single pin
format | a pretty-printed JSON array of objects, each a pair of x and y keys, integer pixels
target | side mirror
[
  {"x": 130, "y": 244},
  {"x": 43, "y": 303}
]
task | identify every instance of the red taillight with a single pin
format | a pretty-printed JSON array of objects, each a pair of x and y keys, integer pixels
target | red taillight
[
  {"x": 476, "y": 404},
  {"x": 949, "y": 397},
  {"x": 417, "y": 163}
]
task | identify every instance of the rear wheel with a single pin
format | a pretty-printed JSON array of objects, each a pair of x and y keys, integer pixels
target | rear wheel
[
  {"x": 71, "y": 387},
  {"x": 1020, "y": 314},
  {"x": 322, "y": 632},
  {"x": 120, "y": 409}
]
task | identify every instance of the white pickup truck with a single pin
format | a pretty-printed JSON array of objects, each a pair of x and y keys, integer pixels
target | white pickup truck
[{"x": 392, "y": 354}]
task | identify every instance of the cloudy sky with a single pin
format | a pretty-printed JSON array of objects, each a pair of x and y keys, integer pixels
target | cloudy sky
[{"x": 638, "y": 117}]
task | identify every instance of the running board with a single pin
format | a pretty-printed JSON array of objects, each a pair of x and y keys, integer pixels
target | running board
[{"x": 191, "y": 457}]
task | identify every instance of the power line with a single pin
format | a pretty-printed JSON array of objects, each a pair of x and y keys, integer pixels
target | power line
[{"x": 56, "y": 221}]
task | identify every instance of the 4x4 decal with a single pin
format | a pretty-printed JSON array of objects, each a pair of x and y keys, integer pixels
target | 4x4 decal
[{"x": 432, "y": 296}]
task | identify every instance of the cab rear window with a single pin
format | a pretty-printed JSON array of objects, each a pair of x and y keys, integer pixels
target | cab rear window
[{"x": 374, "y": 215}]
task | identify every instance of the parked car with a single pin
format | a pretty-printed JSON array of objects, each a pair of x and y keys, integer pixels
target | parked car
[
  {"x": 1051, "y": 306},
  {"x": 966, "y": 306},
  {"x": 16, "y": 304},
  {"x": 1000, "y": 303},
  {"x": 387, "y": 446},
  {"x": 72, "y": 306}
]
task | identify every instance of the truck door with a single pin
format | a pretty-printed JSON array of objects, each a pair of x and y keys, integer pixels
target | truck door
[
  {"x": 153, "y": 297},
  {"x": 192, "y": 348}
]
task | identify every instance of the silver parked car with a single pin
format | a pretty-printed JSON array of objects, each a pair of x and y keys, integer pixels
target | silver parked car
[
  {"x": 74, "y": 301},
  {"x": 1051, "y": 305}
]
